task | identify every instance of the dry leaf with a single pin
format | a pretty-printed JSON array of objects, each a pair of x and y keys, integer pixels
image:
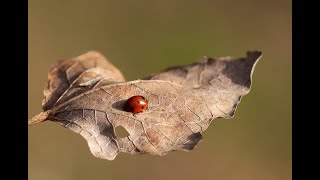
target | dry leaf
[{"x": 86, "y": 94}]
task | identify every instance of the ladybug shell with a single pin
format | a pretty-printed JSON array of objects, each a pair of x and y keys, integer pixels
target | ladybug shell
[{"x": 136, "y": 104}]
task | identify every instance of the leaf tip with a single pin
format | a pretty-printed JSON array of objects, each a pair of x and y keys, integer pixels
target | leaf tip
[{"x": 254, "y": 55}]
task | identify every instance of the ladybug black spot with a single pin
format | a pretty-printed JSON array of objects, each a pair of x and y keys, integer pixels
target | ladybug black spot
[{"x": 142, "y": 107}]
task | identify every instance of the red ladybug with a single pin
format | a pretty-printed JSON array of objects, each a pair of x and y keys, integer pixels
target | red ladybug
[{"x": 136, "y": 104}]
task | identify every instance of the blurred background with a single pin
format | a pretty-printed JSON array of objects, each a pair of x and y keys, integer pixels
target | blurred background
[{"x": 141, "y": 37}]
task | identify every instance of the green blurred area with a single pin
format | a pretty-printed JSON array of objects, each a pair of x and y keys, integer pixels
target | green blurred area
[{"x": 142, "y": 37}]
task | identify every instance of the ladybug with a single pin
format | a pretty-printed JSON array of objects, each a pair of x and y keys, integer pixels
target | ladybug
[{"x": 136, "y": 104}]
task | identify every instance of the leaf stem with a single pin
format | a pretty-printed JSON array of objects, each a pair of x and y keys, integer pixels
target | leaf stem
[{"x": 41, "y": 117}]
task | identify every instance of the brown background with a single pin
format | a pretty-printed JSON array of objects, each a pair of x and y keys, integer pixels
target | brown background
[{"x": 141, "y": 37}]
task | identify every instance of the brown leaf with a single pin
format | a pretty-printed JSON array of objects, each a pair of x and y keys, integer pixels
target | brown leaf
[{"x": 87, "y": 94}]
